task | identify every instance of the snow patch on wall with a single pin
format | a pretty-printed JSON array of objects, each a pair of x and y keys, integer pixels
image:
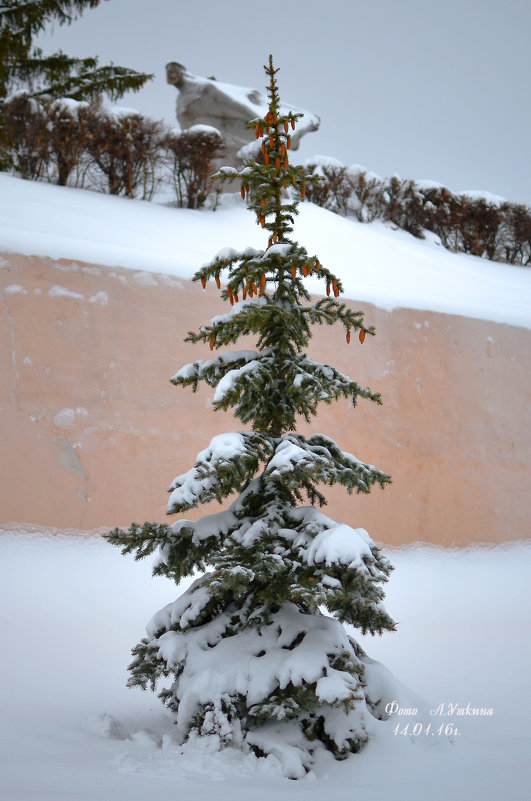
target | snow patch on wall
[
  {"x": 62, "y": 292},
  {"x": 145, "y": 278},
  {"x": 66, "y": 417},
  {"x": 101, "y": 298},
  {"x": 169, "y": 280},
  {"x": 69, "y": 267},
  {"x": 14, "y": 289}
]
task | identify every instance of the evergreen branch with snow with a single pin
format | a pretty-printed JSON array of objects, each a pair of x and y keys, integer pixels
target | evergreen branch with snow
[{"x": 56, "y": 75}]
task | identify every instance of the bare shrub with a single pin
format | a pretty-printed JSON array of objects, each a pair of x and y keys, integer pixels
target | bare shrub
[
  {"x": 24, "y": 124},
  {"x": 190, "y": 154},
  {"x": 366, "y": 201},
  {"x": 65, "y": 140},
  {"x": 480, "y": 221},
  {"x": 443, "y": 213},
  {"x": 334, "y": 189},
  {"x": 402, "y": 204},
  {"x": 124, "y": 145},
  {"x": 514, "y": 234}
]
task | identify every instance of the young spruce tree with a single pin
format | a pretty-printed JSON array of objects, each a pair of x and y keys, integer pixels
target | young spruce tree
[{"x": 250, "y": 656}]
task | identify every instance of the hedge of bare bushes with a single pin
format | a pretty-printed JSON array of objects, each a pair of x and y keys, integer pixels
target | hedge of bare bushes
[
  {"x": 122, "y": 152},
  {"x": 116, "y": 150},
  {"x": 482, "y": 226}
]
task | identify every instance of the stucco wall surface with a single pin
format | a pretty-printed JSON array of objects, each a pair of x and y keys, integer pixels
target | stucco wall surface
[{"x": 93, "y": 432}]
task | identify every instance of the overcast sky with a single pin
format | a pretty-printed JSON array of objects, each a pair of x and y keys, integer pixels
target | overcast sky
[{"x": 428, "y": 89}]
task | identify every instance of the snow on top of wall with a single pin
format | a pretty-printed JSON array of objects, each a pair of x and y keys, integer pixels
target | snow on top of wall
[{"x": 376, "y": 264}]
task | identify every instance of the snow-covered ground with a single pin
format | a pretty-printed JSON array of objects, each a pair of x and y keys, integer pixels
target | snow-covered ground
[
  {"x": 387, "y": 267},
  {"x": 72, "y": 607}
]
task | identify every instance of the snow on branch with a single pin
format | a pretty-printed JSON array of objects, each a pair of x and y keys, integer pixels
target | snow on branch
[
  {"x": 319, "y": 539},
  {"x": 236, "y": 309},
  {"x": 214, "y": 369},
  {"x": 227, "y": 464},
  {"x": 228, "y": 382},
  {"x": 298, "y": 462},
  {"x": 182, "y": 612}
]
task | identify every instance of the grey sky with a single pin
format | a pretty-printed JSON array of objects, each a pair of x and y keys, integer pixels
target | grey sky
[{"x": 436, "y": 89}]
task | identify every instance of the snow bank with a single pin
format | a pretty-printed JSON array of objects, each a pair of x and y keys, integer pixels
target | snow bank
[
  {"x": 375, "y": 263},
  {"x": 71, "y": 728}
]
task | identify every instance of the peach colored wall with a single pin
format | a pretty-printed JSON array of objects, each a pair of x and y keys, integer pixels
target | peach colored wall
[{"x": 93, "y": 432}]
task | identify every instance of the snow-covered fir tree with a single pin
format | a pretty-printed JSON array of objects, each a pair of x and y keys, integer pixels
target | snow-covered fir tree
[{"x": 246, "y": 654}]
